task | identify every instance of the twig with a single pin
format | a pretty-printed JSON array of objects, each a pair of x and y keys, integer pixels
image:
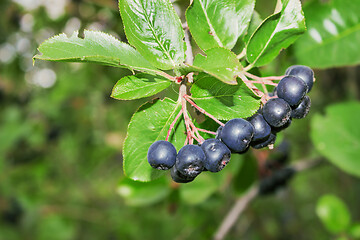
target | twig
[
  {"x": 202, "y": 110},
  {"x": 206, "y": 131},
  {"x": 263, "y": 82},
  {"x": 305, "y": 164},
  {"x": 270, "y": 78},
  {"x": 234, "y": 213},
  {"x": 242, "y": 202}
]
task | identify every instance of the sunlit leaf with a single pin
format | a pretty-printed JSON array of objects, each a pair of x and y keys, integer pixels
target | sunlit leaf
[
  {"x": 150, "y": 123},
  {"x": 222, "y": 100},
  {"x": 95, "y": 47},
  {"x": 139, "y": 86},
  {"x": 155, "y": 30},
  {"x": 276, "y": 32},
  {"x": 215, "y": 23},
  {"x": 333, "y": 34},
  {"x": 220, "y": 63}
]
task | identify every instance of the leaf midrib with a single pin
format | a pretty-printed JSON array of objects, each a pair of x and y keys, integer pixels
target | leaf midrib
[
  {"x": 217, "y": 39},
  {"x": 156, "y": 38}
]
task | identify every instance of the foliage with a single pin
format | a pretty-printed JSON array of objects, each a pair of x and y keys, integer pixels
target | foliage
[{"x": 61, "y": 146}]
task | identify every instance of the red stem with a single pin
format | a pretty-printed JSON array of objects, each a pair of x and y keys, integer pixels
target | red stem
[
  {"x": 206, "y": 131},
  {"x": 186, "y": 97},
  {"x": 172, "y": 125},
  {"x": 271, "y": 78},
  {"x": 263, "y": 82}
]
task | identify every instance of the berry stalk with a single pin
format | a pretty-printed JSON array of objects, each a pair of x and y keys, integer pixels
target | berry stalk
[{"x": 186, "y": 97}]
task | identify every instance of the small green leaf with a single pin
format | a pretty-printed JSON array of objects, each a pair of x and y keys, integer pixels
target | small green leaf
[
  {"x": 276, "y": 32},
  {"x": 222, "y": 100},
  {"x": 139, "y": 86},
  {"x": 215, "y": 23},
  {"x": 333, "y": 213},
  {"x": 95, "y": 47},
  {"x": 337, "y": 136},
  {"x": 333, "y": 35},
  {"x": 220, "y": 63},
  {"x": 150, "y": 123},
  {"x": 143, "y": 193},
  {"x": 153, "y": 27}
]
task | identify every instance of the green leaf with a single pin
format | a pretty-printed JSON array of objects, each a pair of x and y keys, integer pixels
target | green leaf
[
  {"x": 150, "y": 123},
  {"x": 255, "y": 22},
  {"x": 222, "y": 100},
  {"x": 201, "y": 188},
  {"x": 215, "y": 23},
  {"x": 276, "y": 32},
  {"x": 95, "y": 47},
  {"x": 337, "y": 136},
  {"x": 143, "y": 193},
  {"x": 247, "y": 174},
  {"x": 355, "y": 231},
  {"x": 139, "y": 86},
  {"x": 333, "y": 213},
  {"x": 333, "y": 35},
  {"x": 220, "y": 63},
  {"x": 153, "y": 27}
]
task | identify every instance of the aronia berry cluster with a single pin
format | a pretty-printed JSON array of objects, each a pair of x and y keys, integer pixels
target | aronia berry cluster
[{"x": 288, "y": 101}]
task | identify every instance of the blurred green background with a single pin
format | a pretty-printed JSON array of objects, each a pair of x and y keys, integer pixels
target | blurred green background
[{"x": 61, "y": 137}]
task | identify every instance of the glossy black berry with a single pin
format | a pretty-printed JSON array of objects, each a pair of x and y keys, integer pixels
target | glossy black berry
[
  {"x": 161, "y": 155},
  {"x": 264, "y": 143},
  {"x": 303, "y": 72},
  {"x": 303, "y": 109},
  {"x": 217, "y": 154},
  {"x": 262, "y": 129},
  {"x": 292, "y": 89},
  {"x": 277, "y": 180},
  {"x": 283, "y": 127},
  {"x": 276, "y": 112},
  {"x": 237, "y": 134},
  {"x": 179, "y": 177},
  {"x": 190, "y": 160},
  {"x": 218, "y": 131}
]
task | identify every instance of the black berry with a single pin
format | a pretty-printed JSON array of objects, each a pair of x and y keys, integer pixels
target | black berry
[
  {"x": 303, "y": 109},
  {"x": 276, "y": 112},
  {"x": 279, "y": 129},
  {"x": 292, "y": 89},
  {"x": 218, "y": 131},
  {"x": 179, "y": 177},
  {"x": 303, "y": 72},
  {"x": 237, "y": 134},
  {"x": 217, "y": 154},
  {"x": 275, "y": 181},
  {"x": 161, "y": 155},
  {"x": 266, "y": 142},
  {"x": 262, "y": 129},
  {"x": 190, "y": 160}
]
